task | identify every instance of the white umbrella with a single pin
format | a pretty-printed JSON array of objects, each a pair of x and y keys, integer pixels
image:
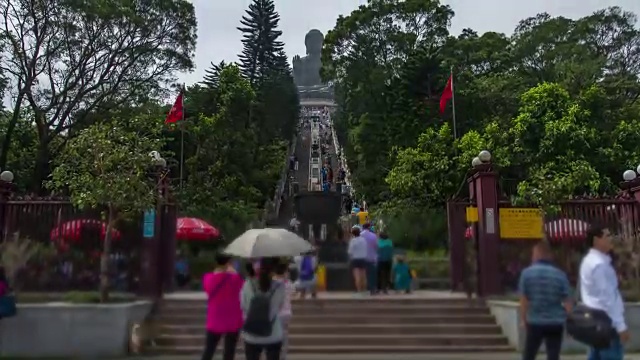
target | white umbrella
[{"x": 268, "y": 242}]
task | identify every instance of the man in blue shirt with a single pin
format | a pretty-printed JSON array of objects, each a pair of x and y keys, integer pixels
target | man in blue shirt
[{"x": 544, "y": 304}]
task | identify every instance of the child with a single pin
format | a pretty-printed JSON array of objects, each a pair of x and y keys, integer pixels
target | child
[
  {"x": 282, "y": 275},
  {"x": 401, "y": 276},
  {"x": 306, "y": 283}
]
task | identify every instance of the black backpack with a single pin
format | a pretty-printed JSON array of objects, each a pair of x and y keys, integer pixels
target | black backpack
[
  {"x": 590, "y": 326},
  {"x": 258, "y": 321}
]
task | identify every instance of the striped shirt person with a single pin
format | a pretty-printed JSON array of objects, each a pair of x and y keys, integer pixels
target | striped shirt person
[{"x": 544, "y": 303}]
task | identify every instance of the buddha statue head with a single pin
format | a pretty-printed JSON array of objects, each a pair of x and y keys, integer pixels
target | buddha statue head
[{"x": 313, "y": 41}]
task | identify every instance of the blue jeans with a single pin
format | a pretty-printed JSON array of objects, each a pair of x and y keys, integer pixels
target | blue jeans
[
  {"x": 372, "y": 277},
  {"x": 614, "y": 352}
]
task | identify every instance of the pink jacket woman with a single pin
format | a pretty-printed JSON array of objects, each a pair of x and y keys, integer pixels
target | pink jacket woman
[{"x": 224, "y": 314}]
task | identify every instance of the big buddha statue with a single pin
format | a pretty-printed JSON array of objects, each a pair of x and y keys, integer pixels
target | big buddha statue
[{"x": 306, "y": 70}]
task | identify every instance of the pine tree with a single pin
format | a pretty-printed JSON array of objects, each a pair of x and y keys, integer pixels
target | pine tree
[
  {"x": 262, "y": 50},
  {"x": 212, "y": 74}
]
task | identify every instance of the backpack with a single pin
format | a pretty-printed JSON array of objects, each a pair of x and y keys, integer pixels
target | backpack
[
  {"x": 306, "y": 269},
  {"x": 258, "y": 321}
]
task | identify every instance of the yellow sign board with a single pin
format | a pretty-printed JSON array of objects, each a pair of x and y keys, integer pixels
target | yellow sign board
[
  {"x": 521, "y": 223},
  {"x": 321, "y": 278},
  {"x": 472, "y": 214}
]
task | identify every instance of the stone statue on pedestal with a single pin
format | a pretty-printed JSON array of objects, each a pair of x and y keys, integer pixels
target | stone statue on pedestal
[{"x": 306, "y": 70}]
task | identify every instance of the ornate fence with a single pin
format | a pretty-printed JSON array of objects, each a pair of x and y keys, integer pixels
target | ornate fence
[
  {"x": 69, "y": 243},
  {"x": 489, "y": 249}
]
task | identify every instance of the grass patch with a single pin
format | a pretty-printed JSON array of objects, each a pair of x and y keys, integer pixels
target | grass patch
[{"x": 73, "y": 297}]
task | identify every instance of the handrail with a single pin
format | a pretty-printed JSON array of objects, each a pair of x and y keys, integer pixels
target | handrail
[{"x": 343, "y": 159}]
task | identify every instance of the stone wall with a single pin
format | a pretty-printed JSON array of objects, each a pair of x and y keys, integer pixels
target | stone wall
[{"x": 70, "y": 330}]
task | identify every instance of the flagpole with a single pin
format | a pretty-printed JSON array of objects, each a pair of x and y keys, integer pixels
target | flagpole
[
  {"x": 182, "y": 138},
  {"x": 453, "y": 107}
]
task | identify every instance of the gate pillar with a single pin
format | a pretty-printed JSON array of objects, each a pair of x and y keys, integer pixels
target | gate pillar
[{"x": 484, "y": 183}]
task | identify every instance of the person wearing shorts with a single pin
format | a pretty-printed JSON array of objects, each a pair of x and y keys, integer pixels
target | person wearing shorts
[{"x": 357, "y": 251}]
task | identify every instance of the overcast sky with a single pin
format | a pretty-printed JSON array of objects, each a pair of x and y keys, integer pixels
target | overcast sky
[{"x": 218, "y": 38}]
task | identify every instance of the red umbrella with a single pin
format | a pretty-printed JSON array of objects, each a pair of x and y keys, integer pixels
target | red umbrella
[
  {"x": 71, "y": 231},
  {"x": 566, "y": 229},
  {"x": 195, "y": 229}
]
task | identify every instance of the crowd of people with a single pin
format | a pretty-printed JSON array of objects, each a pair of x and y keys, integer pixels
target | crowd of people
[
  {"x": 375, "y": 267},
  {"x": 255, "y": 307}
]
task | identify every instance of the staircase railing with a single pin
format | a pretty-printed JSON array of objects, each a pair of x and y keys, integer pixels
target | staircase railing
[{"x": 272, "y": 206}]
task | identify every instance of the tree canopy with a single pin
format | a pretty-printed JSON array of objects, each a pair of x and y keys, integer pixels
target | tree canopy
[
  {"x": 77, "y": 71},
  {"x": 556, "y": 102}
]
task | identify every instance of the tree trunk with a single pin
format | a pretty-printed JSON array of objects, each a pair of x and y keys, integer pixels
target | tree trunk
[
  {"x": 42, "y": 168},
  {"x": 6, "y": 141},
  {"x": 104, "y": 258}
]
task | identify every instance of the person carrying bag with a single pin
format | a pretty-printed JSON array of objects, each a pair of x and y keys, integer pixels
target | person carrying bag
[{"x": 599, "y": 320}]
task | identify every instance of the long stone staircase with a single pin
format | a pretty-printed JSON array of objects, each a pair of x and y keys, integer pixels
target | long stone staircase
[{"x": 341, "y": 323}]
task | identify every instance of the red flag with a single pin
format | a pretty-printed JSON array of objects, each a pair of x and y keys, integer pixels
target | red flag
[
  {"x": 177, "y": 111},
  {"x": 447, "y": 94}
]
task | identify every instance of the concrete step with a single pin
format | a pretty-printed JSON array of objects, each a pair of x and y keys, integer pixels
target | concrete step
[
  {"x": 361, "y": 349},
  {"x": 396, "y": 320},
  {"x": 380, "y": 328},
  {"x": 369, "y": 301},
  {"x": 330, "y": 340},
  {"x": 391, "y": 309}
]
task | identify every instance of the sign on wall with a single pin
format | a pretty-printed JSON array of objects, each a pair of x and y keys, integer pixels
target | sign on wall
[
  {"x": 149, "y": 224},
  {"x": 521, "y": 223},
  {"x": 472, "y": 214}
]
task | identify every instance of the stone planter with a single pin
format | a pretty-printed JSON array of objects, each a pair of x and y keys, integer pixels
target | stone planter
[
  {"x": 506, "y": 314},
  {"x": 70, "y": 330}
]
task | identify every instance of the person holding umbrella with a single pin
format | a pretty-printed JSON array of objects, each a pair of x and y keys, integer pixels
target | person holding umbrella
[
  {"x": 261, "y": 302},
  {"x": 262, "y": 299}
]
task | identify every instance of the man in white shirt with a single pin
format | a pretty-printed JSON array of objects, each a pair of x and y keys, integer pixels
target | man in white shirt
[{"x": 599, "y": 290}]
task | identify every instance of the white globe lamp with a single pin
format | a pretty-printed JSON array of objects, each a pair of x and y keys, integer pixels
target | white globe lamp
[
  {"x": 484, "y": 156},
  {"x": 629, "y": 175},
  {"x": 476, "y": 161},
  {"x": 6, "y": 176}
]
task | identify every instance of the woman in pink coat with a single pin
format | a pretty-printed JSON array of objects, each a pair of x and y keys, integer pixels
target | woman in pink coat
[{"x": 224, "y": 315}]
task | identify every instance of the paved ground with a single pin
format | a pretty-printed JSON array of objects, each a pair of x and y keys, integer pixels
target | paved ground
[{"x": 475, "y": 356}]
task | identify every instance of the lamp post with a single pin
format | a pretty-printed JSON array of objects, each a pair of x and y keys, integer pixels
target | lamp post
[
  {"x": 6, "y": 182},
  {"x": 630, "y": 175},
  {"x": 153, "y": 271},
  {"x": 482, "y": 162},
  {"x": 483, "y": 192}
]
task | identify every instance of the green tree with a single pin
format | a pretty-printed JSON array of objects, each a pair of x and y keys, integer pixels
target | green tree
[
  {"x": 212, "y": 75},
  {"x": 555, "y": 103},
  {"x": 262, "y": 50},
  {"x": 108, "y": 165},
  {"x": 384, "y": 63},
  {"x": 232, "y": 168},
  {"x": 70, "y": 60}
]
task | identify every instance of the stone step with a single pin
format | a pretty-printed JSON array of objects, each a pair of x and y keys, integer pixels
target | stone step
[
  {"x": 330, "y": 340},
  {"x": 372, "y": 301},
  {"x": 397, "y": 320},
  {"x": 379, "y": 328},
  {"x": 360, "y": 349},
  {"x": 353, "y": 309}
]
